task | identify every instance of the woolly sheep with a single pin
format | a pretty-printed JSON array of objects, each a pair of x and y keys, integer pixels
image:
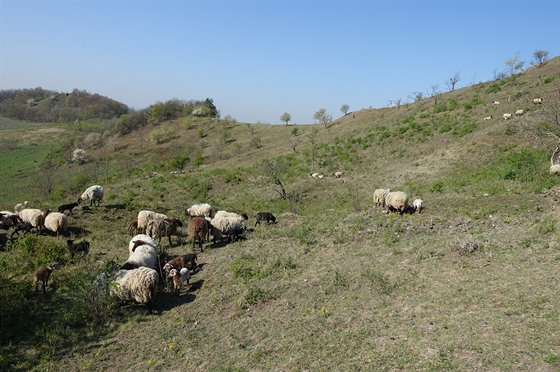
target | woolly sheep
[
  {"x": 488, "y": 117},
  {"x": 35, "y": 217},
  {"x": 146, "y": 216},
  {"x": 338, "y": 174},
  {"x": 56, "y": 222},
  {"x": 200, "y": 210},
  {"x": 42, "y": 275},
  {"x": 519, "y": 112},
  {"x": 396, "y": 201},
  {"x": 143, "y": 252},
  {"x": 537, "y": 101},
  {"x": 179, "y": 277},
  {"x": 197, "y": 229},
  {"x": 507, "y": 116},
  {"x": 417, "y": 204},
  {"x": 496, "y": 103},
  {"x": 231, "y": 215},
  {"x": 379, "y": 197},
  {"x": 554, "y": 169},
  {"x": 20, "y": 206},
  {"x": 231, "y": 227},
  {"x": 138, "y": 284},
  {"x": 93, "y": 194},
  {"x": 141, "y": 239},
  {"x": 163, "y": 227}
]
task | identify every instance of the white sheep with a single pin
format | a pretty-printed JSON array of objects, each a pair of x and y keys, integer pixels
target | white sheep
[
  {"x": 338, "y": 174},
  {"x": 144, "y": 217},
  {"x": 179, "y": 277},
  {"x": 20, "y": 206},
  {"x": 93, "y": 194},
  {"x": 488, "y": 117},
  {"x": 231, "y": 227},
  {"x": 396, "y": 201},
  {"x": 220, "y": 214},
  {"x": 141, "y": 239},
  {"x": 201, "y": 210},
  {"x": 496, "y": 103},
  {"x": 506, "y": 116},
  {"x": 537, "y": 101},
  {"x": 138, "y": 284},
  {"x": 379, "y": 197},
  {"x": 142, "y": 254},
  {"x": 56, "y": 222},
  {"x": 418, "y": 205},
  {"x": 35, "y": 217},
  {"x": 554, "y": 169},
  {"x": 519, "y": 112}
]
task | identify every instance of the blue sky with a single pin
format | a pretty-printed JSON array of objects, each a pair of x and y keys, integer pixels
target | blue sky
[{"x": 258, "y": 59}]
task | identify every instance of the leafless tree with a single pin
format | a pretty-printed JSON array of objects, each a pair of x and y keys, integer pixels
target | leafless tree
[
  {"x": 453, "y": 80},
  {"x": 514, "y": 64},
  {"x": 344, "y": 108},
  {"x": 540, "y": 57}
]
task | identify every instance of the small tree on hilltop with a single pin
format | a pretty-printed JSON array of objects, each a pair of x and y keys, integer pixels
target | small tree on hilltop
[
  {"x": 514, "y": 64},
  {"x": 453, "y": 80},
  {"x": 344, "y": 108},
  {"x": 540, "y": 57},
  {"x": 322, "y": 117},
  {"x": 286, "y": 117}
]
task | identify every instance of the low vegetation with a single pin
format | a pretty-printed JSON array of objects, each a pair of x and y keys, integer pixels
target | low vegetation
[{"x": 470, "y": 283}]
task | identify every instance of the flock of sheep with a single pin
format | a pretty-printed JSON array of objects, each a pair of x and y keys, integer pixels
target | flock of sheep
[
  {"x": 519, "y": 112},
  {"x": 396, "y": 201}
]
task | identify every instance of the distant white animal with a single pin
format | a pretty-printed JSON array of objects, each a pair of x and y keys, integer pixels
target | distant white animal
[
  {"x": 496, "y": 102},
  {"x": 417, "y": 204},
  {"x": 507, "y": 116},
  {"x": 537, "y": 101},
  {"x": 519, "y": 112},
  {"x": 488, "y": 117}
]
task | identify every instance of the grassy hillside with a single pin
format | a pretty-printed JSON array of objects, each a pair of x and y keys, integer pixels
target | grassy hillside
[{"x": 471, "y": 283}]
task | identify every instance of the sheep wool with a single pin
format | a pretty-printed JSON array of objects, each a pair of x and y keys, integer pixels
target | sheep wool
[
  {"x": 141, "y": 239},
  {"x": 397, "y": 201},
  {"x": 554, "y": 169},
  {"x": 139, "y": 285},
  {"x": 56, "y": 222},
  {"x": 200, "y": 210},
  {"x": 35, "y": 217},
  {"x": 417, "y": 204},
  {"x": 93, "y": 194},
  {"x": 379, "y": 197},
  {"x": 144, "y": 217}
]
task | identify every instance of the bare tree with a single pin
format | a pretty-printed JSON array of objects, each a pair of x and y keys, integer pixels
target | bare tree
[
  {"x": 453, "y": 80},
  {"x": 344, "y": 108},
  {"x": 286, "y": 117},
  {"x": 322, "y": 117},
  {"x": 274, "y": 169},
  {"x": 540, "y": 57},
  {"x": 514, "y": 64}
]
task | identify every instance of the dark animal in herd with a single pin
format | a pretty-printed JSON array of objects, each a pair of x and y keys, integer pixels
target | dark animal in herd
[
  {"x": 67, "y": 207},
  {"x": 42, "y": 275},
  {"x": 265, "y": 216},
  {"x": 75, "y": 248}
]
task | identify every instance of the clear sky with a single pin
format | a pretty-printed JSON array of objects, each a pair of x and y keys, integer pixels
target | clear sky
[{"x": 258, "y": 59}]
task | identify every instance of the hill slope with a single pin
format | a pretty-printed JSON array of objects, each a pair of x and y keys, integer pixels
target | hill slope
[{"x": 337, "y": 283}]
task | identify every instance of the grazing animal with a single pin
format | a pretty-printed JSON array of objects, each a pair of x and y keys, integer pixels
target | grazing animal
[
  {"x": 94, "y": 194},
  {"x": 35, "y": 217},
  {"x": 338, "y": 174},
  {"x": 143, "y": 252},
  {"x": 160, "y": 227},
  {"x": 231, "y": 227},
  {"x": 265, "y": 216},
  {"x": 506, "y": 116},
  {"x": 9, "y": 219},
  {"x": 80, "y": 247},
  {"x": 139, "y": 284},
  {"x": 496, "y": 103},
  {"x": 20, "y": 206},
  {"x": 519, "y": 112},
  {"x": 21, "y": 226},
  {"x": 200, "y": 210},
  {"x": 197, "y": 230},
  {"x": 42, "y": 275},
  {"x": 396, "y": 201},
  {"x": 179, "y": 277},
  {"x": 417, "y": 204},
  {"x": 144, "y": 217},
  {"x": 537, "y": 101},
  {"x": 132, "y": 228},
  {"x": 488, "y": 117},
  {"x": 56, "y": 222},
  {"x": 67, "y": 207},
  {"x": 379, "y": 197}
]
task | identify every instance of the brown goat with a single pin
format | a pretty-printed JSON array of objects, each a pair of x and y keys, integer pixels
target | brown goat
[
  {"x": 198, "y": 229},
  {"x": 42, "y": 275}
]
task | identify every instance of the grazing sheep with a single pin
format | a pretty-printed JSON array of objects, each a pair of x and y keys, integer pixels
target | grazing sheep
[
  {"x": 141, "y": 239},
  {"x": 35, "y": 217},
  {"x": 93, "y": 194},
  {"x": 265, "y": 216},
  {"x": 554, "y": 169},
  {"x": 132, "y": 228},
  {"x": 507, "y": 116},
  {"x": 56, "y": 222},
  {"x": 220, "y": 214},
  {"x": 417, "y": 204},
  {"x": 231, "y": 227},
  {"x": 338, "y": 174},
  {"x": 197, "y": 230},
  {"x": 42, "y": 275},
  {"x": 396, "y": 201},
  {"x": 144, "y": 217},
  {"x": 179, "y": 277},
  {"x": 67, "y": 207},
  {"x": 496, "y": 103},
  {"x": 143, "y": 252},
  {"x": 138, "y": 284},
  {"x": 487, "y": 117},
  {"x": 537, "y": 101},
  {"x": 21, "y": 226},
  {"x": 200, "y": 210},
  {"x": 9, "y": 219},
  {"x": 379, "y": 197},
  {"x": 80, "y": 247},
  {"x": 20, "y": 206},
  {"x": 519, "y": 112},
  {"x": 163, "y": 227}
]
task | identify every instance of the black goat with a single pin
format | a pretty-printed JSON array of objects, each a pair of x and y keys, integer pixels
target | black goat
[
  {"x": 67, "y": 207},
  {"x": 76, "y": 248},
  {"x": 21, "y": 226},
  {"x": 265, "y": 216}
]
